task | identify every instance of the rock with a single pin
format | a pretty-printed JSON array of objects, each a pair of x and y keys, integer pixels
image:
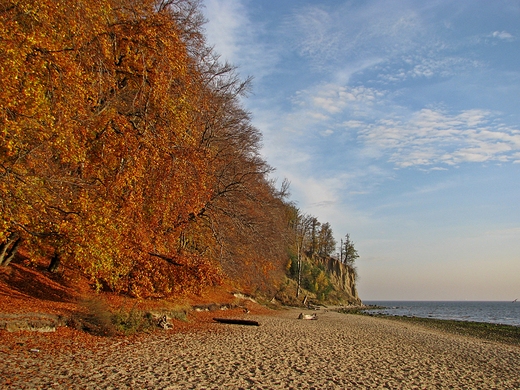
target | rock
[{"x": 32, "y": 322}]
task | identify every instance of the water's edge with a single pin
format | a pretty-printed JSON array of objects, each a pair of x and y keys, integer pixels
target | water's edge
[{"x": 504, "y": 313}]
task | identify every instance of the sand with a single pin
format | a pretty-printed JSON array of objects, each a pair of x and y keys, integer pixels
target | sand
[{"x": 337, "y": 351}]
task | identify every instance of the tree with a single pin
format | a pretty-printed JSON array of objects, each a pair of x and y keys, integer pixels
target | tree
[
  {"x": 348, "y": 252},
  {"x": 314, "y": 240},
  {"x": 98, "y": 110},
  {"x": 326, "y": 241},
  {"x": 101, "y": 161},
  {"x": 300, "y": 225},
  {"x": 124, "y": 149}
]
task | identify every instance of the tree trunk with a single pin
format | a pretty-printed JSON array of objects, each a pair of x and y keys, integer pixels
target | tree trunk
[
  {"x": 12, "y": 251},
  {"x": 299, "y": 272},
  {"x": 7, "y": 251},
  {"x": 55, "y": 263},
  {"x": 3, "y": 251}
]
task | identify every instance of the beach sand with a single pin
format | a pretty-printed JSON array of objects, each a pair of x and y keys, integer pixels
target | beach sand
[{"x": 337, "y": 351}]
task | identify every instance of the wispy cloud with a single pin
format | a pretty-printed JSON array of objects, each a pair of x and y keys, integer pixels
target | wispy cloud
[
  {"x": 328, "y": 37},
  {"x": 326, "y": 105},
  {"x": 225, "y": 19},
  {"x": 237, "y": 40},
  {"x": 423, "y": 66},
  {"x": 426, "y": 139},
  {"x": 432, "y": 137},
  {"x": 431, "y": 188}
]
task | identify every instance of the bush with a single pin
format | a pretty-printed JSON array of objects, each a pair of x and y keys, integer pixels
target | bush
[{"x": 96, "y": 318}]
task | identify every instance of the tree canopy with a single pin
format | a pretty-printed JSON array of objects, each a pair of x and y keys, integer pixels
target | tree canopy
[{"x": 125, "y": 151}]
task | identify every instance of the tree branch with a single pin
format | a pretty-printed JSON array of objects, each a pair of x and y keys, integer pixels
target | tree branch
[{"x": 166, "y": 258}]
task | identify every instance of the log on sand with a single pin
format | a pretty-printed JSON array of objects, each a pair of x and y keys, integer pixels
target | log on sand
[{"x": 236, "y": 321}]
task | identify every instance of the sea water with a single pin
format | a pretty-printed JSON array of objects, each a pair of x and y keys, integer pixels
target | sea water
[{"x": 507, "y": 313}]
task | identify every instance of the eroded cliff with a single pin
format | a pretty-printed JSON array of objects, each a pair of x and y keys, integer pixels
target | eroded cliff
[{"x": 343, "y": 278}]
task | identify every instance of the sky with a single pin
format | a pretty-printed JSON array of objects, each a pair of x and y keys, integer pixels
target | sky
[{"x": 397, "y": 122}]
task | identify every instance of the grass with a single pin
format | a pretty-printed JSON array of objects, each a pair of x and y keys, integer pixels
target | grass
[
  {"x": 132, "y": 321},
  {"x": 96, "y": 318}
]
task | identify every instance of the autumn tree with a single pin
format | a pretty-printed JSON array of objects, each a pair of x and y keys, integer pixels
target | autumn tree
[
  {"x": 245, "y": 211},
  {"x": 125, "y": 151},
  {"x": 326, "y": 241},
  {"x": 102, "y": 160}
]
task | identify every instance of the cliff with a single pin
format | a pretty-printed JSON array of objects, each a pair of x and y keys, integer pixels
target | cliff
[{"x": 343, "y": 278}]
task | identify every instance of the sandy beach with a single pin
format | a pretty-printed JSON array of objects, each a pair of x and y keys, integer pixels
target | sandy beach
[{"x": 337, "y": 351}]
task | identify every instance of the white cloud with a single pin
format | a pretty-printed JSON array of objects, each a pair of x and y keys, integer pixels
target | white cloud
[
  {"x": 237, "y": 40},
  {"x": 225, "y": 19},
  {"x": 327, "y": 132},
  {"x": 326, "y": 102},
  {"x": 352, "y": 124},
  {"x": 315, "y": 192},
  {"x": 391, "y": 38},
  {"x": 320, "y": 38},
  {"x": 323, "y": 197},
  {"x": 350, "y": 33},
  {"x": 502, "y": 35},
  {"x": 432, "y": 137},
  {"x": 425, "y": 63}
]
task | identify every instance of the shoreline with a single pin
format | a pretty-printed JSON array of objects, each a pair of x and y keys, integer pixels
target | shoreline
[
  {"x": 335, "y": 351},
  {"x": 495, "y": 312},
  {"x": 503, "y": 333}
]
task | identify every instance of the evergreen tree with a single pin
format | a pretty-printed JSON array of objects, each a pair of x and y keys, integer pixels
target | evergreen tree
[{"x": 349, "y": 253}]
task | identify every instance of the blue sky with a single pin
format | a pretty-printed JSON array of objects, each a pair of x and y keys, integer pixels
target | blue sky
[{"x": 397, "y": 122}]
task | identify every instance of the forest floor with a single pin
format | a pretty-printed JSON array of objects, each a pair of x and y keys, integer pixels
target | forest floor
[{"x": 28, "y": 292}]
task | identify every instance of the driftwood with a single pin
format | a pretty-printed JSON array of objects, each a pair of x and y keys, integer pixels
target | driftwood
[
  {"x": 236, "y": 321},
  {"x": 164, "y": 323},
  {"x": 307, "y": 316}
]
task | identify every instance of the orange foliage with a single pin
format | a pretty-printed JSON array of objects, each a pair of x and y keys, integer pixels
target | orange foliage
[{"x": 124, "y": 150}]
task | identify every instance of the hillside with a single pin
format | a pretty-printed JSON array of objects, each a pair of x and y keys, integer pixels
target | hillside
[
  {"x": 34, "y": 298},
  {"x": 129, "y": 169},
  {"x": 125, "y": 152}
]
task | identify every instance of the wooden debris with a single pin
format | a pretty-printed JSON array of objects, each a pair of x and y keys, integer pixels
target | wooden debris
[
  {"x": 164, "y": 323},
  {"x": 236, "y": 321},
  {"x": 307, "y": 316}
]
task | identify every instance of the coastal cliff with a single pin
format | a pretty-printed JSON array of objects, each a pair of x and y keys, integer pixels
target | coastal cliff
[{"x": 342, "y": 278}]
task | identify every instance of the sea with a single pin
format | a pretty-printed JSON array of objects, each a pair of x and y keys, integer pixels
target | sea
[{"x": 496, "y": 312}]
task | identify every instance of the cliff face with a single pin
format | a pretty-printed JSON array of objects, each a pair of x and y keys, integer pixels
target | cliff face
[{"x": 342, "y": 278}]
